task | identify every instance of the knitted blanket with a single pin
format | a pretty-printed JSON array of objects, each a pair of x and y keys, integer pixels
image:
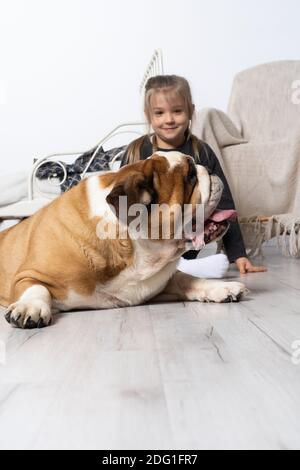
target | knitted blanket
[
  {"x": 264, "y": 179},
  {"x": 100, "y": 163}
]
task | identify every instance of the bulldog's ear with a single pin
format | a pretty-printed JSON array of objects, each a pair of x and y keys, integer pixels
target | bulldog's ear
[{"x": 138, "y": 188}]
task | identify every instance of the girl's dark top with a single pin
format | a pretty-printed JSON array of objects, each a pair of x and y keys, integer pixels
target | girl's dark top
[{"x": 233, "y": 240}]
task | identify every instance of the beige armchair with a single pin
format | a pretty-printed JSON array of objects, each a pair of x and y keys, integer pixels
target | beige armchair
[{"x": 258, "y": 145}]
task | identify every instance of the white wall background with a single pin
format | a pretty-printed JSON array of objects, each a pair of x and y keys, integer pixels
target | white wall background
[{"x": 70, "y": 69}]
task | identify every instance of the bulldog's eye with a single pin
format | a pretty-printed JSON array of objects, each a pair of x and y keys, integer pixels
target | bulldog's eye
[
  {"x": 192, "y": 177},
  {"x": 208, "y": 170}
]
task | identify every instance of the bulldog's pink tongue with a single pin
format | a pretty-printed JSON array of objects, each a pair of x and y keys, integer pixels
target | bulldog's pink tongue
[
  {"x": 217, "y": 216},
  {"x": 220, "y": 215}
]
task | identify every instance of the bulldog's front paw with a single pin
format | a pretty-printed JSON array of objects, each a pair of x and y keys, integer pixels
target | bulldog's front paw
[
  {"x": 217, "y": 291},
  {"x": 29, "y": 314},
  {"x": 225, "y": 292}
]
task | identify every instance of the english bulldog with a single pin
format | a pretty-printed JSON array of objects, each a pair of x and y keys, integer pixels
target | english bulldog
[{"x": 64, "y": 258}]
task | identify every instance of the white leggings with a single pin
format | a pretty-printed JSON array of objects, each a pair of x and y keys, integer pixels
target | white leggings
[{"x": 211, "y": 267}]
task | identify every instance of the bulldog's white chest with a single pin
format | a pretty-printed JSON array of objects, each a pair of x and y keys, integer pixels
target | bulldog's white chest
[{"x": 142, "y": 281}]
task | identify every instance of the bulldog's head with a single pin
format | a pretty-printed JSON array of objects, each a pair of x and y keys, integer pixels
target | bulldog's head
[{"x": 172, "y": 179}]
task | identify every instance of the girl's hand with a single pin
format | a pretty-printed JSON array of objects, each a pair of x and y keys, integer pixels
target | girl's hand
[{"x": 245, "y": 266}]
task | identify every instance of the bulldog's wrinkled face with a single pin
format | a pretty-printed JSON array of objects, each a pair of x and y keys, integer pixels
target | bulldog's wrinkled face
[{"x": 172, "y": 180}]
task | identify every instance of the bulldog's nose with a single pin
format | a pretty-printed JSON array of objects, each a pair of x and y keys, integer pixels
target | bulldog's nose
[
  {"x": 216, "y": 189},
  {"x": 217, "y": 185},
  {"x": 209, "y": 171},
  {"x": 204, "y": 183}
]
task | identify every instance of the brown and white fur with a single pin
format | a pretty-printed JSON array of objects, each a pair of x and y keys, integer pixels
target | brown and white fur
[{"x": 55, "y": 260}]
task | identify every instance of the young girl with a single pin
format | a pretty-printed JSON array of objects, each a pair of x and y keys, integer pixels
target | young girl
[{"x": 169, "y": 109}]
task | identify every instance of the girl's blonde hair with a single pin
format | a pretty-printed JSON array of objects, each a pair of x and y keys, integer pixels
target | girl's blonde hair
[{"x": 170, "y": 85}]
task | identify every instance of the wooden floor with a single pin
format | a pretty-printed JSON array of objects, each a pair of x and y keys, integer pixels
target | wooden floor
[{"x": 170, "y": 376}]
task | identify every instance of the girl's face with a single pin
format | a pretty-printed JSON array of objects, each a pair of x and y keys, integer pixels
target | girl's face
[{"x": 169, "y": 119}]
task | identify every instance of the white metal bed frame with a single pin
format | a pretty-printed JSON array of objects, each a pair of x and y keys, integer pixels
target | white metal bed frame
[{"x": 28, "y": 207}]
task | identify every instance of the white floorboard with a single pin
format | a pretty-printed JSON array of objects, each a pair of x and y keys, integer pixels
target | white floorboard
[{"x": 168, "y": 376}]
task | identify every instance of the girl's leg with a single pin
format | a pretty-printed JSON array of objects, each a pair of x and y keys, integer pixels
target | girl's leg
[{"x": 211, "y": 267}]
